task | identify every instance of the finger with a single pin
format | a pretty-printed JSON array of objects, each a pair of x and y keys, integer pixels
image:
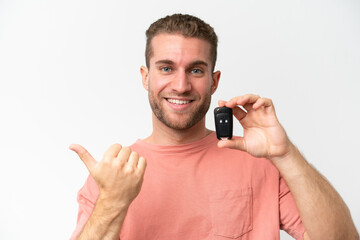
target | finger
[
  {"x": 238, "y": 143},
  {"x": 84, "y": 155},
  {"x": 242, "y": 100},
  {"x": 141, "y": 165},
  {"x": 248, "y": 107},
  {"x": 231, "y": 103},
  {"x": 133, "y": 159},
  {"x": 112, "y": 152},
  {"x": 239, "y": 113},
  {"x": 248, "y": 98},
  {"x": 221, "y": 103},
  {"x": 124, "y": 155},
  {"x": 262, "y": 102}
]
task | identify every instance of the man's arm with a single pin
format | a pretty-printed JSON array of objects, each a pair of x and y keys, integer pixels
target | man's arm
[
  {"x": 104, "y": 223},
  {"x": 119, "y": 176},
  {"x": 322, "y": 211}
]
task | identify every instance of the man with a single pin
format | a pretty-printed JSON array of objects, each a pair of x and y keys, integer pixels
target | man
[{"x": 194, "y": 186}]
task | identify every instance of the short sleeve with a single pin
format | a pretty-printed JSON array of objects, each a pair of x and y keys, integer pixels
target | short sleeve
[
  {"x": 290, "y": 220},
  {"x": 86, "y": 199}
]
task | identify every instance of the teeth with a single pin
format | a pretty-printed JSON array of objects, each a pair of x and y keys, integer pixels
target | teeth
[{"x": 177, "y": 102}]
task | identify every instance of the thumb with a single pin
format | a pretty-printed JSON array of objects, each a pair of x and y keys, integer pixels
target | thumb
[
  {"x": 84, "y": 155},
  {"x": 238, "y": 143}
]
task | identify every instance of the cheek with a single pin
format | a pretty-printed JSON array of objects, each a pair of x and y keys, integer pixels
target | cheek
[
  {"x": 158, "y": 83},
  {"x": 202, "y": 87}
]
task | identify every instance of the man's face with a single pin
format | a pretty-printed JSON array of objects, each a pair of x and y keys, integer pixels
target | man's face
[{"x": 179, "y": 80}]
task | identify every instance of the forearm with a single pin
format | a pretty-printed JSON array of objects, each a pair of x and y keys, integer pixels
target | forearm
[
  {"x": 323, "y": 212},
  {"x": 105, "y": 222}
]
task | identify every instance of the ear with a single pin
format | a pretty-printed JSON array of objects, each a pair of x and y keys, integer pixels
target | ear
[
  {"x": 145, "y": 77},
  {"x": 215, "y": 81}
]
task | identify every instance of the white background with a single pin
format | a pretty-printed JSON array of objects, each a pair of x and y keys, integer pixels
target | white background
[{"x": 69, "y": 73}]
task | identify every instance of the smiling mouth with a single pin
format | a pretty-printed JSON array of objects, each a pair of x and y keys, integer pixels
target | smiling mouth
[{"x": 177, "y": 101}]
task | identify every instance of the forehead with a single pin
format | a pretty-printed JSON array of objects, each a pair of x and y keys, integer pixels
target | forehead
[{"x": 179, "y": 49}]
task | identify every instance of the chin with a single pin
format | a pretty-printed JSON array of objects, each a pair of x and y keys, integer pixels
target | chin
[{"x": 179, "y": 123}]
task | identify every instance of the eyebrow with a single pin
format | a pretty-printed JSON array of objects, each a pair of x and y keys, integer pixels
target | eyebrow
[
  {"x": 198, "y": 62},
  {"x": 194, "y": 63},
  {"x": 165, "y": 61}
]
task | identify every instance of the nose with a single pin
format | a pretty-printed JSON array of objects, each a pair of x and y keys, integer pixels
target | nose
[{"x": 181, "y": 83}]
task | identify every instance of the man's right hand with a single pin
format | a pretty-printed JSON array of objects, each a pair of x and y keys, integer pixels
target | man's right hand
[{"x": 119, "y": 175}]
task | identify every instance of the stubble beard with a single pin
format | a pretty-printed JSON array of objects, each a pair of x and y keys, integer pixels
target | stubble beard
[{"x": 193, "y": 117}]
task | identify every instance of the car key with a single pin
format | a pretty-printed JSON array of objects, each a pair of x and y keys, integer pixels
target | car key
[{"x": 223, "y": 123}]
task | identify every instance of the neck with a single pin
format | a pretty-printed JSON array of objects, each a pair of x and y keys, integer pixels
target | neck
[{"x": 163, "y": 135}]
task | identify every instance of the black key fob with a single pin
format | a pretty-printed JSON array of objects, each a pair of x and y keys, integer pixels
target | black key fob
[{"x": 223, "y": 122}]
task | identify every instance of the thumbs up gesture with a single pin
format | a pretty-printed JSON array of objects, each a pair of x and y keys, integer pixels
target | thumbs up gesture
[{"x": 119, "y": 175}]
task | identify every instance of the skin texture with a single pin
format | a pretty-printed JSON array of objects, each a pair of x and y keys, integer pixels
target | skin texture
[{"x": 180, "y": 69}]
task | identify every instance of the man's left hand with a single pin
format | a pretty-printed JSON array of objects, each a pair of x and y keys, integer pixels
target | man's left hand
[{"x": 263, "y": 134}]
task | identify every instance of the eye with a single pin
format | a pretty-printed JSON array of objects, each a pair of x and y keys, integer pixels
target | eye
[
  {"x": 196, "y": 71},
  {"x": 166, "y": 69}
]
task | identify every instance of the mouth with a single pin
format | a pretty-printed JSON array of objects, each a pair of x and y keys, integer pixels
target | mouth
[{"x": 178, "y": 101}]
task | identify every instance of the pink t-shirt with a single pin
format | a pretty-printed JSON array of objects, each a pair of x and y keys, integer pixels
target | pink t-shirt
[{"x": 198, "y": 191}]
